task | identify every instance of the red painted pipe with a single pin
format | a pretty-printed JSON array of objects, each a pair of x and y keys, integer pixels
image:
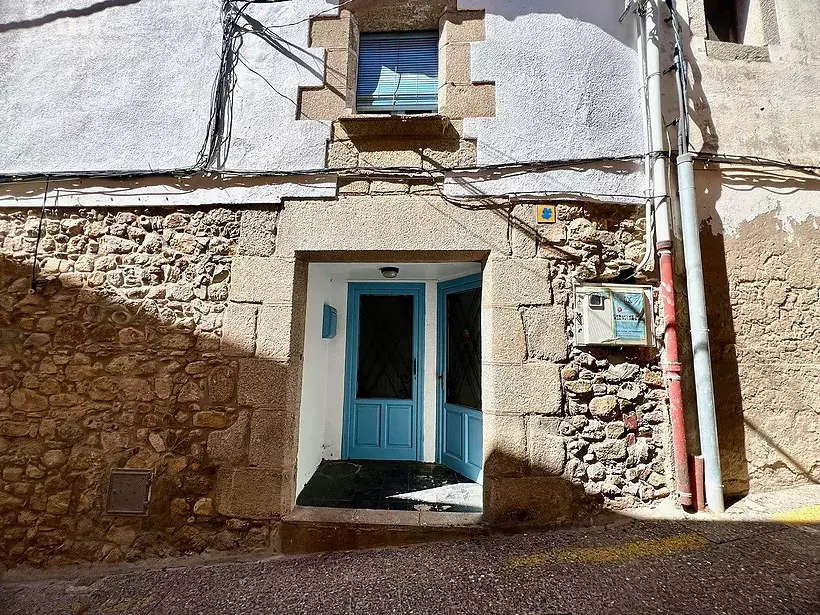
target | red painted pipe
[
  {"x": 671, "y": 369},
  {"x": 700, "y": 488}
]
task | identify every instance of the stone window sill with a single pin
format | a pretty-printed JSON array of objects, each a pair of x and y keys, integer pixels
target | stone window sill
[
  {"x": 720, "y": 50},
  {"x": 427, "y": 125}
]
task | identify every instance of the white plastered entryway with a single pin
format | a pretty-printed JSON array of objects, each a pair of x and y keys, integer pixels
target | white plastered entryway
[{"x": 323, "y": 386}]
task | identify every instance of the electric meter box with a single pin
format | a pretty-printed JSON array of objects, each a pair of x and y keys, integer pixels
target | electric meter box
[{"x": 613, "y": 315}]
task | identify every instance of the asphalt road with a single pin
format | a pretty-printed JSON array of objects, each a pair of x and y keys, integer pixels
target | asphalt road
[{"x": 640, "y": 567}]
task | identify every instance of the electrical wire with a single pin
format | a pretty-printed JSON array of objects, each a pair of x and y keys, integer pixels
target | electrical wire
[
  {"x": 213, "y": 152},
  {"x": 37, "y": 243}
]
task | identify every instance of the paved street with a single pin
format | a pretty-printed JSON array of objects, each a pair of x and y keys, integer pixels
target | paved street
[{"x": 636, "y": 567}]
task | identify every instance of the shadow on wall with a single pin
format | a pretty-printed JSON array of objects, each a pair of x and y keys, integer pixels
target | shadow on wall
[
  {"x": 116, "y": 362},
  {"x": 68, "y": 13},
  {"x": 605, "y": 16}
]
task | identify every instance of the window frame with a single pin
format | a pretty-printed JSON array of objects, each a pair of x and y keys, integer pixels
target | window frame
[{"x": 409, "y": 107}]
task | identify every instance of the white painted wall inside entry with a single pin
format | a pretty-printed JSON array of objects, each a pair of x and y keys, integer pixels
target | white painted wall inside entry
[{"x": 322, "y": 402}]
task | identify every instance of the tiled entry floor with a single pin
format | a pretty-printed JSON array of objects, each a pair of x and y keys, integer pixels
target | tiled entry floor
[{"x": 391, "y": 485}]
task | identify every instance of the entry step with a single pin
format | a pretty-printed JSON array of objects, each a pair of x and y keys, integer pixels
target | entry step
[{"x": 311, "y": 529}]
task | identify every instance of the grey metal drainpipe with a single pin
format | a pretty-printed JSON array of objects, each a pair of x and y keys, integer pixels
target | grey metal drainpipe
[
  {"x": 698, "y": 325},
  {"x": 699, "y": 330}
]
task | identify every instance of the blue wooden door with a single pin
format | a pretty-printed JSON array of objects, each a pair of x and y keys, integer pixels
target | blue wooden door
[
  {"x": 459, "y": 376},
  {"x": 385, "y": 324}
]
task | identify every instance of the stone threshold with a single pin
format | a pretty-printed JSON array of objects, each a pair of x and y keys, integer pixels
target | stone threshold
[{"x": 311, "y": 529}]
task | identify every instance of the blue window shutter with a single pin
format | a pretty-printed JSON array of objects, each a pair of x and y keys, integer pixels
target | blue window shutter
[{"x": 398, "y": 71}]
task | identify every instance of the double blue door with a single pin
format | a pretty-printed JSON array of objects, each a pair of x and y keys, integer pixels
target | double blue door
[{"x": 383, "y": 373}]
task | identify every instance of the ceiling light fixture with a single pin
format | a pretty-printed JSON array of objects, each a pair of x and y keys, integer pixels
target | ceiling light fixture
[{"x": 389, "y": 272}]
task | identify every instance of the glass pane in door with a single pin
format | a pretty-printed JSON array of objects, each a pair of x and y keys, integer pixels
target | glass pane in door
[
  {"x": 385, "y": 369},
  {"x": 464, "y": 348}
]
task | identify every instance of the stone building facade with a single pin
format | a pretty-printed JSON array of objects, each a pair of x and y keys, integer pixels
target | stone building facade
[
  {"x": 159, "y": 298},
  {"x": 755, "y": 97}
]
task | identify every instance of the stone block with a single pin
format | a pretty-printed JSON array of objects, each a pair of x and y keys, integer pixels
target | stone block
[
  {"x": 547, "y": 452},
  {"x": 449, "y": 154},
  {"x": 239, "y": 329},
  {"x": 342, "y": 155},
  {"x": 505, "y": 445},
  {"x": 257, "y": 279},
  {"x": 273, "y": 438},
  {"x": 515, "y": 282},
  {"x": 524, "y": 231},
  {"x": 257, "y": 232},
  {"x": 320, "y": 104},
  {"x": 605, "y": 407},
  {"x": 532, "y": 500},
  {"x": 273, "y": 332},
  {"x": 454, "y": 61},
  {"x": 330, "y": 33},
  {"x": 531, "y": 388},
  {"x": 382, "y": 223},
  {"x": 221, "y": 384},
  {"x": 358, "y": 186},
  {"x": 381, "y": 186},
  {"x": 337, "y": 65},
  {"x": 389, "y": 154},
  {"x": 473, "y": 100},
  {"x": 462, "y": 26},
  {"x": 503, "y": 333},
  {"x": 262, "y": 383},
  {"x": 254, "y": 493},
  {"x": 609, "y": 450},
  {"x": 545, "y": 328},
  {"x": 230, "y": 446}
]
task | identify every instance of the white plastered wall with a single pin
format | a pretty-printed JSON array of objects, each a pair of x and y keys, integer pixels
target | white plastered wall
[
  {"x": 127, "y": 85},
  {"x": 762, "y": 108},
  {"x": 567, "y": 87},
  {"x": 322, "y": 404}
]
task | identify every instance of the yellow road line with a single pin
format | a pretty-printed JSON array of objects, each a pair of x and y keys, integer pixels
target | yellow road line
[
  {"x": 800, "y": 516},
  {"x": 654, "y": 547}
]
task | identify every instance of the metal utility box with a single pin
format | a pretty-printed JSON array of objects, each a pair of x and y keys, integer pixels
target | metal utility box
[{"x": 613, "y": 315}]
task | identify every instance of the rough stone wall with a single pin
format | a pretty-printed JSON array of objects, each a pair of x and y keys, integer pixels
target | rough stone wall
[
  {"x": 764, "y": 313},
  {"x": 172, "y": 340},
  {"x": 114, "y": 362},
  {"x": 567, "y": 432}
]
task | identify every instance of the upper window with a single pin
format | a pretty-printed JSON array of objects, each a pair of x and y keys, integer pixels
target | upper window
[
  {"x": 398, "y": 73},
  {"x": 722, "y": 20}
]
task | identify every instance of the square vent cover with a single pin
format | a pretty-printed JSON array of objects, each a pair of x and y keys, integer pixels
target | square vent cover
[{"x": 129, "y": 490}]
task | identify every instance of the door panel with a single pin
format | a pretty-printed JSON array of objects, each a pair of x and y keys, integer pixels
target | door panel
[
  {"x": 382, "y": 388},
  {"x": 459, "y": 367},
  {"x": 367, "y": 429},
  {"x": 454, "y": 434},
  {"x": 399, "y": 425}
]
